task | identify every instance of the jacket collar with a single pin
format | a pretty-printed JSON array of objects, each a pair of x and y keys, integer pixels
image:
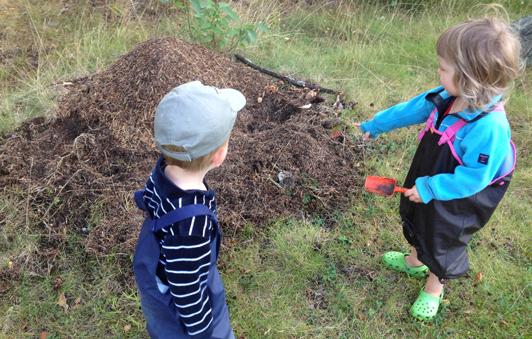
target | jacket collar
[
  {"x": 168, "y": 189},
  {"x": 468, "y": 114}
]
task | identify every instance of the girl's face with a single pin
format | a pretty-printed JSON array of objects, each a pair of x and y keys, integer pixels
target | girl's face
[{"x": 446, "y": 72}]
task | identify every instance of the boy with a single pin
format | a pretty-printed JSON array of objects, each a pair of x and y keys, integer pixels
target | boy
[{"x": 181, "y": 292}]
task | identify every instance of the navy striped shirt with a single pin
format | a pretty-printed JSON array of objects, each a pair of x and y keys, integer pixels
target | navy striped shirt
[{"x": 185, "y": 250}]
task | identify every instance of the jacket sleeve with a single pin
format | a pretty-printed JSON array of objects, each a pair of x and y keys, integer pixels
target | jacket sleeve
[
  {"x": 188, "y": 256},
  {"x": 413, "y": 111},
  {"x": 485, "y": 147}
]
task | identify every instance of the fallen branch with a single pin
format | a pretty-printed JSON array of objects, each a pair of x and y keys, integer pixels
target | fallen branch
[{"x": 290, "y": 80}]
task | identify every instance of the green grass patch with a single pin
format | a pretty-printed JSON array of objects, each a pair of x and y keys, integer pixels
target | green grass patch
[{"x": 48, "y": 45}]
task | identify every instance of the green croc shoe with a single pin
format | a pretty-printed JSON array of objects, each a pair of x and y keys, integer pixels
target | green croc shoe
[
  {"x": 426, "y": 306},
  {"x": 396, "y": 261}
]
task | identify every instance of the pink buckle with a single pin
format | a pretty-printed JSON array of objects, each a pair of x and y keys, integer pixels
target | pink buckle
[
  {"x": 428, "y": 125},
  {"x": 444, "y": 138},
  {"x": 450, "y": 132}
]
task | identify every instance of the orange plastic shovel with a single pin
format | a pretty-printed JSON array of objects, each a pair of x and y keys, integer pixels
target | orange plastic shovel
[{"x": 383, "y": 186}]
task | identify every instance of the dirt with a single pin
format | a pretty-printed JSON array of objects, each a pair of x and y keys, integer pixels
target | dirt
[
  {"x": 386, "y": 189},
  {"x": 77, "y": 172}
]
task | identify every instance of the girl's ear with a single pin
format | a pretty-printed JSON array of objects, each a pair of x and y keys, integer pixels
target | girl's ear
[{"x": 219, "y": 156}]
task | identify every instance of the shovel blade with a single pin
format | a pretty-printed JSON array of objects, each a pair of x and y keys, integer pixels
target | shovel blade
[{"x": 380, "y": 185}]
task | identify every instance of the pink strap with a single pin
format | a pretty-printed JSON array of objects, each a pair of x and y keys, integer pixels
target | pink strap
[
  {"x": 428, "y": 125},
  {"x": 450, "y": 132},
  {"x": 514, "y": 151}
]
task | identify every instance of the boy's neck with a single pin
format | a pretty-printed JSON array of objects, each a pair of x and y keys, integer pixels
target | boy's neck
[{"x": 184, "y": 179}]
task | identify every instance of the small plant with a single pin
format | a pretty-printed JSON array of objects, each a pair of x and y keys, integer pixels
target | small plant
[
  {"x": 329, "y": 276},
  {"x": 217, "y": 25},
  {"x": 307, "y": 199},
  {"x": 344, "y": 240}
]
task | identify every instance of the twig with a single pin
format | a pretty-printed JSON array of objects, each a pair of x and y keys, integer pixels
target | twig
[
  {"x": 319, "y": 198},
  {"x": 28, "y": 198},
  {"x": 275, "y": 183},
  {"x": 290, "y": 80},
  {"x": 374, "y": 75},
  {"x": 59, "y": 192},
  {"x": 69, "y": 82}
]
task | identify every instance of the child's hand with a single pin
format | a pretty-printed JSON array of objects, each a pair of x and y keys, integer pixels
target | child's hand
[
  {"x": 366, "y": 136},
  {"x": 413, "y": 195}
]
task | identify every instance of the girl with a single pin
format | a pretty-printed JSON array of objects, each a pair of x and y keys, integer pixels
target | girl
[{"x": 465, "y": 158}]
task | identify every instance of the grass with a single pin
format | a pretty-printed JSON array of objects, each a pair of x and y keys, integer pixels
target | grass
[
  {"x": 46, "y": 46},
  {"x": 292, "y": 278}
]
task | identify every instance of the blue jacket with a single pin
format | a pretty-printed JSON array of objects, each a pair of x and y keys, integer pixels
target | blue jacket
[{"x": 483, "y": 145}]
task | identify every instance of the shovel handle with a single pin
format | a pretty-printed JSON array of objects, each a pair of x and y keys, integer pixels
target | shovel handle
[{"x": 399, "y": 189}]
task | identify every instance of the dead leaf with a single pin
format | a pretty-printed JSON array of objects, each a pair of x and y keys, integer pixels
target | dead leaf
[
  {"x": 336, "y": 134},
  {"x": 62, "y": 301},
  {"x": 271, "y": 89},
  {"x": 478, "y": 277},
  {"x": 338, "y": 105},
  {"x": 57, "y": 283},
  {"x": 311, "y": 95},
  {"x": 43, "y": 335},
  {"x": 469, "y": 311},
  {"x": 127, "y": 328},
  {"x": 77, "y": 302}
]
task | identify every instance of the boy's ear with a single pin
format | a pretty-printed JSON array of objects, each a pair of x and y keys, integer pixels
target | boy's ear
[{"x": 219, "y": 156}]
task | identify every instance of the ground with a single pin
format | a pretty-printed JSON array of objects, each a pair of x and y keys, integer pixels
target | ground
[{"x": 100, "y": 146}]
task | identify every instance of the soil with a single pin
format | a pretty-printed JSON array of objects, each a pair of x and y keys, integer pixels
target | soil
[{"x": 77, "y": 171}]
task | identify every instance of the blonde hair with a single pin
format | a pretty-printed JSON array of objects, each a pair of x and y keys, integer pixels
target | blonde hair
[
  {"x": 485, "y": 56},
  {"x": 195, "y": 165}
]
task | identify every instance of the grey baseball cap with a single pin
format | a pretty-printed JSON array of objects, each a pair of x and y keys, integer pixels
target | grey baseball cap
[{"x": 197, "y": 118}]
